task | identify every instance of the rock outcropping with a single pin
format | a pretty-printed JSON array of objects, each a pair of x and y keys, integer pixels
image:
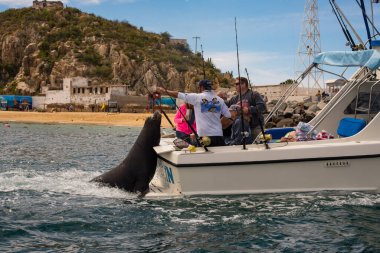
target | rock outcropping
[{"x": 38, "y": 48}]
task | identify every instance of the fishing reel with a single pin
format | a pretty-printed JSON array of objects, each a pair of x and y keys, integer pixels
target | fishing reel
[
  {"x": 245, "y": 134},
  {"x": 156, "y": 95}
]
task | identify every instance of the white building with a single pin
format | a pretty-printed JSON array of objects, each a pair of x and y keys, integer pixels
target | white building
[
  {"x": 274, "y": 92},
  {"x": 78, "y": 90},
  {"x": 334, "y": 85}
]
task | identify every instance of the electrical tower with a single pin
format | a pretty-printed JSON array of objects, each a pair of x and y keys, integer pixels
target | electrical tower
[{"x": 309, "y": 46}]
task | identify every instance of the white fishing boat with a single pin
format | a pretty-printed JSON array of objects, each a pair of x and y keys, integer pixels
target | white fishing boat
[{"x": 350, "y": 161}]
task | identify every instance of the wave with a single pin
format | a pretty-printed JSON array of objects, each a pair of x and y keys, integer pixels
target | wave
[{"x": 68, "y": 181}]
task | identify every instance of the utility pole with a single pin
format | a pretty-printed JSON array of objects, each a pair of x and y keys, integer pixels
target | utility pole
[
  {"x": 309, "y": 46},
  {"x": 196, "y": 43}
]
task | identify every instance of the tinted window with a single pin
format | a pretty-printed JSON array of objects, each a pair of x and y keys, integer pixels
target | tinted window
[{"x": 363, "y": 103}]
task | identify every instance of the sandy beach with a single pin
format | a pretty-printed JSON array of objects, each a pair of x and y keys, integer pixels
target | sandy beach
[{"x": 97, "y": 118}]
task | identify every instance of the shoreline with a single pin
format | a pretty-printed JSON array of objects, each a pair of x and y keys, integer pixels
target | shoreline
[{"x": 92, "y": 118}]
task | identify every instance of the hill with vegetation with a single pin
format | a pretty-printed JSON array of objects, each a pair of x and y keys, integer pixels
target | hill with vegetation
[{"x": 38, "y": 48}]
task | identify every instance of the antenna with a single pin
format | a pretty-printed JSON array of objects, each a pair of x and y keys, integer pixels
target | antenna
[
  {"x": 203, "y": 64},
  {"x": 196, "y": 43},
  {"x": 309, "y": 46}
]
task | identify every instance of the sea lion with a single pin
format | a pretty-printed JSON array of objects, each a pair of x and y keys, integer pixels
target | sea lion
[{"x": 139, "y": 167}]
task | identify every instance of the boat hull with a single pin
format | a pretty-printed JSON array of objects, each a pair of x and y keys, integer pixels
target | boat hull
[
  {"x": 361, "y": 173},
  {"x": 351, "y": 164}
]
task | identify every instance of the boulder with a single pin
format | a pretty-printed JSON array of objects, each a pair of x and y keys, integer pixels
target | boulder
[
  {"x": 313, "y": 108},
  {"x": 287, "y": 122}
]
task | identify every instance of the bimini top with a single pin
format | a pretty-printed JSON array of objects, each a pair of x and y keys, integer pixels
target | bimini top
[{"x": 366, "y": 58}]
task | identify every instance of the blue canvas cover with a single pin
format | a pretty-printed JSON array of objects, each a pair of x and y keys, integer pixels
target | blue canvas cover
[
  {"x": 366, "y": 58},
  {"x": 350, "y": 126}
]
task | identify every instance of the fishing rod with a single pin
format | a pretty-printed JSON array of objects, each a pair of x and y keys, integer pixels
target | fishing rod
[
  {"x": 203, "y": 63},
  {"x": 342, "y": 19},
  {"x": 240, "y": 95},
  {"x": 162, "y": 110},
  {"x": 343, "y": 26},
  {"x": 249, "y": 81},
  {"x": 152, "y": 95},
  {"x": 199, "y": 142},
  {"x": 258, "y": 112}
]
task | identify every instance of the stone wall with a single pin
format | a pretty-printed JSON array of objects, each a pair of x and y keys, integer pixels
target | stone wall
[
  {"x": 47, "y": 4},
  {"x": 57, "y": 97},
  {"x": 39, "y": 102}
]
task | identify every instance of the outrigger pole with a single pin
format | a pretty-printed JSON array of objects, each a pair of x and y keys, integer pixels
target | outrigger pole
[
  {"x": 183, "y": 116},
  {"x": 366, "y": 20},
  {"x": 240, "y": 95}
]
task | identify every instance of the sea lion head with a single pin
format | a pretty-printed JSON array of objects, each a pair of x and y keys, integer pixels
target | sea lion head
[
  {"x": 152, "y": 126},
  {"x": 154, "y": 120}
]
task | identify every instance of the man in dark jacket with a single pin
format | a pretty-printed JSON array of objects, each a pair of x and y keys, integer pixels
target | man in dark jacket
[{"x": 253, "y": 105}]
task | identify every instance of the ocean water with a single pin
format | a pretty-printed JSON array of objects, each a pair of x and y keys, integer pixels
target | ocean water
[{"x": 48, "y": 205}]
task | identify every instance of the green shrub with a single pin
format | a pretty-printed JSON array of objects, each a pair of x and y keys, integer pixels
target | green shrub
[
  {"x": 90, "y": 56},
  {"x": 103, "y": 71}
]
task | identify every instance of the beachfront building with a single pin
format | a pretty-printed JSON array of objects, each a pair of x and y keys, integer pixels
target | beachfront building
[
  {"x": 274, "y": 92},
  {"x": 334, "y": 85},
  {"x": 79, "y": 90}
]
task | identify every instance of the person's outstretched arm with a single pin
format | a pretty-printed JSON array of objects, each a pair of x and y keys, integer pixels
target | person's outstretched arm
[{"x": 164, "y": 91}]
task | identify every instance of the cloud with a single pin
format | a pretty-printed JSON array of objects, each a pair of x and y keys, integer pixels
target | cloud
[{"x": 263, "y": 67}]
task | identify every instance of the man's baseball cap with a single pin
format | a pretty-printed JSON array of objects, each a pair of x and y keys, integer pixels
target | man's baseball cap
[{"x": 207, "y": 85}]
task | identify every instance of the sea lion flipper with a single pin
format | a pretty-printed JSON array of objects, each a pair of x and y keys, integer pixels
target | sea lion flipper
[{"x": 142, "y": 185}]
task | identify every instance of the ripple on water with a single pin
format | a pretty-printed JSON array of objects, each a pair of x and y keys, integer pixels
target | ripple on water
[{"x": 48, "y": 204}]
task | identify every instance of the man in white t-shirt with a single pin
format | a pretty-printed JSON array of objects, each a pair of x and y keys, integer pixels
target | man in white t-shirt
[{"x": 208, "y": 108}]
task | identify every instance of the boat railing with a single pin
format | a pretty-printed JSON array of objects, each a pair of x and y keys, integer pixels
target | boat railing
[
  {"x": 363, "y": 75},
  {"x": 332, "y": 73},
  {"x": 348, "y": 88},
  {"x": 288, "y": 92}
]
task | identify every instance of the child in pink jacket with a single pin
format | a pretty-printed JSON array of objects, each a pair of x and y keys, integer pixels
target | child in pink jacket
[{"x": 183, "y": 131}]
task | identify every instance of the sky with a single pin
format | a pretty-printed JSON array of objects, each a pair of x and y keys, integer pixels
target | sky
[{"x": 268, "y": 32}]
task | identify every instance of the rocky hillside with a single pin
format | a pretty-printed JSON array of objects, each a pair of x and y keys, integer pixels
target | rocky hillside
[{"x": 39, "y": 48}]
